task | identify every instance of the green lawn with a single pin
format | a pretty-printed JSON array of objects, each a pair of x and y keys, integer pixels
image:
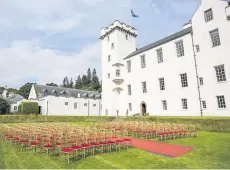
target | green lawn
[{"x": 211, "y": 152}]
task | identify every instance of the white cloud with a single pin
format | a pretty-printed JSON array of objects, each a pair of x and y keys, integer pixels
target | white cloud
[{"x": 24, "y": 60}]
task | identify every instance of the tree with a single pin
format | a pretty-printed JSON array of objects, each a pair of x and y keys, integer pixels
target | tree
[
  {"x": 66, "y": 82},
  {"x": 84, "y": 80},
  {"x": 89, "y": 76},
  {"x": 2, "y": 89},
  {"x": 51, "y": 84},
  {"x": 25, "y": 90},
  {"x": 78, "y": 84},
  {"x": 4, "y": 107},
  {"x": 71, "y": 83},
  {"x": 95, "y": 83}
]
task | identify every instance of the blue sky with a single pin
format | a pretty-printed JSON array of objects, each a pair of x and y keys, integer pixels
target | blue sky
[{"x": 45, "y": 40}]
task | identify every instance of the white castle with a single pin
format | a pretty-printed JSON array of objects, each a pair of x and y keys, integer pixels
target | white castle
[{"x": 184, "y": 74}]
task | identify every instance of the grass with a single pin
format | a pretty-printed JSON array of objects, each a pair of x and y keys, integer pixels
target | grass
[{"x": 211, "y": 152}]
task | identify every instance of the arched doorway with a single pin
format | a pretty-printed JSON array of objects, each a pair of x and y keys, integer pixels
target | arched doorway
[{"x": 143, "y": 109}]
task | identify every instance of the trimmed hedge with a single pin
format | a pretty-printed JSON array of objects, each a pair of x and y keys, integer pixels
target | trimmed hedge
[
  {"x": 211, "y": 124},
  {"x": 39, "y": 118},
  {"x": 29, "y": 107}
]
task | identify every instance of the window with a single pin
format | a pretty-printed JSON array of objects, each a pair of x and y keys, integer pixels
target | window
[
  {"x": 15, "y": 107},
  {"x": 221, "y": 102},
  {"x": 118, "y": 73},
  {"x": 129, "y": 90},
  {"x": 220, "y": 73},
  {"x": 201, "y": 81},
  {"x": 184, "y": 104},
  {"x": 143, "y": 62},
  {"x": 208, "y": 15},
  {"x": 112, "y": 46},
  {"x": 197, "y": 48},
  {"x": 180, "y": 48},
  {"x": 144, "y": 88},
  {"x": 130, "y": 106},
  {"x": 164, "y": 104},
  {"x": 75, "y": 105},
  {"x": 108, "y": 38},
  {"x": 162, "y": 83},
  {"x": 159, "y": 55},
  {"x": 129, "y": 66},
  {"x": 66, "y": 103},
  {"x": 126, "y": 37},
  {"x": 85, "y": 104},
  {"x": 108, "y": 75},
  {"x": 94, "y": 105},
  {"x": 184, "y": 80},
  {"x": 204, "y": 104},
  {"x": 215, "y": 37},
  {"x": 109, "y": 58}
]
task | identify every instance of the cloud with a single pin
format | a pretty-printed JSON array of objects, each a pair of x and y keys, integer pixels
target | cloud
[
  {"x": 45, "y": 40},
  {"x": 26, "y": 60}
]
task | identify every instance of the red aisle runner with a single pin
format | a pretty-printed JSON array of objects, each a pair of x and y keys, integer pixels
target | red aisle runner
[{"x": 161, "y": 148}]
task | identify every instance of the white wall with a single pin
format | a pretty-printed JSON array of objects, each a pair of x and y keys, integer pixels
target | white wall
[
  {"x": 209, "y": 56},
  {"x": 32, "y": 94},
  {"x": 111, "y": 100},
  {"x": 57, "y": 107},
  {"x": 170, "y": 70}
]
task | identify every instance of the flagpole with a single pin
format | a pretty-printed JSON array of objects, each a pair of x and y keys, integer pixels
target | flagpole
[{"x": 130, "y": 16}]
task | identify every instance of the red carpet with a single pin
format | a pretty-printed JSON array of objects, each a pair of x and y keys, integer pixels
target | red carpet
[{"x": 160, "y": 148}]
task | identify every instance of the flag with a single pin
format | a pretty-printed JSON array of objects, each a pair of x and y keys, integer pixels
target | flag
[{"x": 133, "y": 14}]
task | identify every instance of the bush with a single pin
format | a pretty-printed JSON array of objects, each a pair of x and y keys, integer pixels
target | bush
[
  {"x": 40, "y": 118},
  {"x": 4, "y": 107},
  {"x": 29, "y": 107}
]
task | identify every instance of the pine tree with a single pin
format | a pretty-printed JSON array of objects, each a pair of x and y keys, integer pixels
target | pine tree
[
  {"x": 95, "y": 83},
  {"x": 67, "y": 82},
  {"x": 71, "y": 83},
  {"x": 64, "y": 82},
  {"x": 89, "y": 77},
  {"x": 84, "y": 80},
  {"x": 78, "y": 84}
]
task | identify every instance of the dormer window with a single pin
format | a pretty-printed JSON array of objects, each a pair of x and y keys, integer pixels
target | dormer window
[
  {"x": 62, "y": 93},
  {"x": 126, "y": 37},
  {"x": 112, "y": 46},
  {"x": 54, "y": 92}
]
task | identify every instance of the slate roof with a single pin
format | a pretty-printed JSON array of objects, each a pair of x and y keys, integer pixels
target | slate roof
[
  {"x": 42, "y": 91},
  {"x": 160, "y": 42},
  {"x": 14, "y": 98}
]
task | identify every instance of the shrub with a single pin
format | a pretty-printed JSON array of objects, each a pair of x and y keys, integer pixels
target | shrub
[
  {"x": 4, "y": 107},
  {"x": 29, "y": 107}
]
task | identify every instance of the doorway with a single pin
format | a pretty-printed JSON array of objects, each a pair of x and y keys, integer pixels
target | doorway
[
  {"x": 39, "y": 110},
  {"x": 143, "y": 109}
]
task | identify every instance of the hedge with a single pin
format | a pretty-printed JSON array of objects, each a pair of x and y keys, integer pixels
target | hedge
[
  {"x": 29, "y": 107},
  {"x": 39, "y": 118},
  {"x": 211, "y": 124}
]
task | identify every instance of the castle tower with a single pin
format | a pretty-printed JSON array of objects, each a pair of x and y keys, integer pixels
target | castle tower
[{"x": 118, "y": 40}]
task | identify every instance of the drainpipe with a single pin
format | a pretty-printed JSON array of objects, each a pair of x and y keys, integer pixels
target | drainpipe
[
  {"x": 47, "y": 109},
  {"x": 99, "y": 108},
  {"x": 197, "y": 77},
  {"x": 88, "y": 107}
]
